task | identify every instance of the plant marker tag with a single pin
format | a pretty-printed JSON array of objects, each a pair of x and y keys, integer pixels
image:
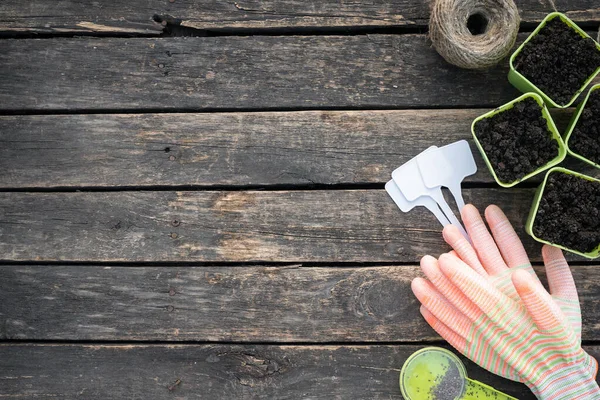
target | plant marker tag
[
  {"x": 447, "y": 166},
  {"x": 406, "y": 205},
  {"x": 408, "y": 179}
]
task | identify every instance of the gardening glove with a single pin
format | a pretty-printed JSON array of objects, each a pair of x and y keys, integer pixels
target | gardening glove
[
  {"x": 496, "y": 271},
  {"x": 531, "y": 336},
  {"x": 497, "y": 257},
  {"x": 493, "y": 266}
]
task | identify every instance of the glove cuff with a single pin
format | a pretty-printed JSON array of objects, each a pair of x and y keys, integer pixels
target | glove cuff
[{"x": 566, "y": 382}]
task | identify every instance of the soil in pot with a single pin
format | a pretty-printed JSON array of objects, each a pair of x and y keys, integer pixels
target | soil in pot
[
  {"x": 569, "y": 212},
  {"x": 558, "y": 60},
  {"x": 585, "y": 138},
  {"x": 517, "y": 141}
]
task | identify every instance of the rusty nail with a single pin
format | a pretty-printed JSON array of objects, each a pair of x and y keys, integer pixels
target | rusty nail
[
  {"x": 173, "y": 235},
  {"x": 172, "y": 158},
  {"x": 172, "y": 292}
]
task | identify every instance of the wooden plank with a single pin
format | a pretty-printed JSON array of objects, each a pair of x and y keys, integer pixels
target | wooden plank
[
  {"x": 256, "y": 72},
  {"x": 290, "y": 226},
  {"x": 233, "y": 304},
  {"x": 326, "y": 147},
  {"x": 215, "y": 372},
  {"x": 137, "y": 16},
  {"x": 285, "y": 148}
]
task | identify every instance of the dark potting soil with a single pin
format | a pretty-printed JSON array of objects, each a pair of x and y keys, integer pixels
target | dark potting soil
[
  {"x": 517, "y": 141},
  {"x": 585, "y": 139},
  {"x": 558, "y": 60},
  {"x": 569, "y": 212}
]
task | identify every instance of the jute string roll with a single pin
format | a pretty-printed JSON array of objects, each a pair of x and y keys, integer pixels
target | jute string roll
[{"x": 454, "y": 41}]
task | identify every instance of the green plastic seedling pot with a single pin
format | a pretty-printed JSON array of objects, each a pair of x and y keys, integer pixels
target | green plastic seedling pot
[
  {"x": 562, "y": 151},
  {"x": 572, "y": 125},
  {"x": 524, "y": 85},
  {"x": 433, "y": 373},
  {"x": 536, "y": 204}
]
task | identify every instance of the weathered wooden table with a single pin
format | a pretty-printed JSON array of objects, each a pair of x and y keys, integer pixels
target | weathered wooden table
[{"x": 192, "y": 199}]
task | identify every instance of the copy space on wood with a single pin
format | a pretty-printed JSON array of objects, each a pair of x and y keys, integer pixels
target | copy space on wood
[{"x": 239, "y": 73}]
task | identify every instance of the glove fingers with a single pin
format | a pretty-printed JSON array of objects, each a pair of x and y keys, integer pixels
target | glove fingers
[
  {"x": 572, "y": 312},
  {"x": 432, "y": 271},
  {"x": 506, "y": 238},
  {"x": 562, "y": 286},
  {"x": 559, "y": 274},
  {"x": 440, "y": 307},
  {"x": 463, "y": 248},
  {"x": 539, "y": 304},
  {"x": 482, "y": 241},
  {"x": 474, "y": 286},
  {"x": 459, "y": 343},
  {"x": 455, "y": 340}
]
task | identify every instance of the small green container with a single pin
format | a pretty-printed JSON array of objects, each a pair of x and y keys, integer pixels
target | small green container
[
  {"x": 524, "y": 85},
  {"x": 562, "y": 151},
  {"x": 536, "y": 204},
  {"x": 572, "y": 125}
]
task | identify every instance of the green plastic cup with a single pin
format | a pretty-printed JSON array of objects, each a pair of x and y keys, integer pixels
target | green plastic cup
[
  {"x": 536, "y": 204},
  {"x": 562, "y": 151},
  {"x": 572, "y": 125},
  {"x": 524, "y": 85},
  {"x": 434, "y": 373}
]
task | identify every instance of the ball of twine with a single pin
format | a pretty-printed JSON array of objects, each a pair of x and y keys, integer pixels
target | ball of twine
[{"x": 482, "y": 46}]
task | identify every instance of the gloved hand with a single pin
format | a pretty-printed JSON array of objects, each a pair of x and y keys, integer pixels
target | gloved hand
[
  {"x": 519, "y": 331},
  {"x": 503, "y": 254}
]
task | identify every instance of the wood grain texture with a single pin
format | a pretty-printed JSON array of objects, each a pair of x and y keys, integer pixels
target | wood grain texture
[
  {"x": 137, "y": 16},
  {"x": 256, "y": 72},
  {"x": 326, "y": 147},
  {"x": 215, "y": 372},
  {"x": 212, "y": 149},
  {"x": 291, "y": 226},
  {"x": 232, "y": 304}
]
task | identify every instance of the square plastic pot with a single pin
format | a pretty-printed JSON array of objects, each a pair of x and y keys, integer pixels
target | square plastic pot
[
  {"x": 572, "y": 125},
  {"x": 536, "y": 204},
  {"x": 562, "y": 151},
  {"x": 524, "y": 85}
]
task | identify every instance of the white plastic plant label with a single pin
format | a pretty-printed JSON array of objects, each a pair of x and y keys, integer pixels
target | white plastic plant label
[
  {"x": 448, "y": 166},
  {"x": 406, "y": 205}
]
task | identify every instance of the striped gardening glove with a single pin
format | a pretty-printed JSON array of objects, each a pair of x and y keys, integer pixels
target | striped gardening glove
[
  {"x": 493, "y": 309},
  {"x": 497, "y": 257}
]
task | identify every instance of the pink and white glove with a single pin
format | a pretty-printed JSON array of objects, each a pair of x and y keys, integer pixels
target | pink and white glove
[
  {"x": 487, "y": 302},
  {"x": 504, "y": 253}
]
